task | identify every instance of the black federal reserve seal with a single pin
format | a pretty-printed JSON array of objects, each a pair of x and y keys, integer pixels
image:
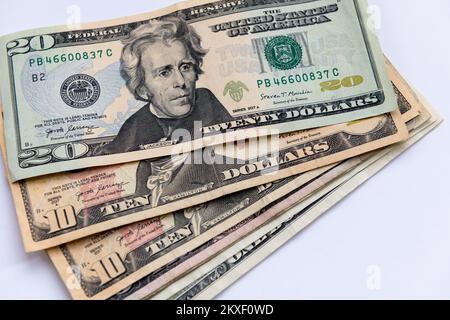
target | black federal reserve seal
[{"x": 80, "y": 91}]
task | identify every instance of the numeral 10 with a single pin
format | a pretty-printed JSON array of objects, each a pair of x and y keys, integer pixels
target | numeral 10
[
  {"x": 109, "y": 267},
  {"x": 61, "y": 218}
]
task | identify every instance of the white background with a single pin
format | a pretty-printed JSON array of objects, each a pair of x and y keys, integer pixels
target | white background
[{"x": 397, "y": 224}]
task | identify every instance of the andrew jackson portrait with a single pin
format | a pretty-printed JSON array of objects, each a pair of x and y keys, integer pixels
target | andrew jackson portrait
[{"x": 161, "y": 63}]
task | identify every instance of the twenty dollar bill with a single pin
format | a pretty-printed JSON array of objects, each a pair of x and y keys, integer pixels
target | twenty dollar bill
[{"x": 195, "y": 74}]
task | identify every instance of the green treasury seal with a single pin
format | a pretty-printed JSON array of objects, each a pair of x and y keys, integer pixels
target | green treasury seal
[{"x": 283, "y": 53}]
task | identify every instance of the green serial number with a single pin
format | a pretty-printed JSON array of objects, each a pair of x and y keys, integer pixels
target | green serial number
[
  {"x": 297, "y": 78},
  {"x": 78, "y": 56}
]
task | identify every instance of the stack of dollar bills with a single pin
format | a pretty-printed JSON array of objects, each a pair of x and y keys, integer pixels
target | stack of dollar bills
[{"x": 162, "y": 156}]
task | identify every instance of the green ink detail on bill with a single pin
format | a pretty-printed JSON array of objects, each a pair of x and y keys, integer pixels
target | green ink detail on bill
[
  {"x": 283, "y": 53},
  {"x": 236, "y": 90}
]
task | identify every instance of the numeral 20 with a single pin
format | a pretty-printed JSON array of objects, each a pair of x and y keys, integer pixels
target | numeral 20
[
  {"x": 37, "y": 43},
  {"x": 347, "y": 82}
]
